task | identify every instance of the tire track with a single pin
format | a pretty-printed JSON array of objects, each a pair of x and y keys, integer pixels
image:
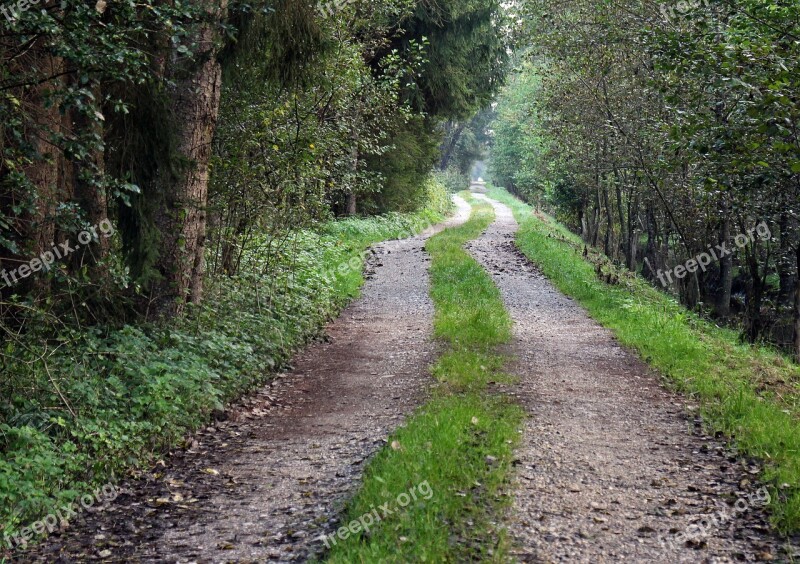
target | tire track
[
  {"x": 612, "y": 465},
  {"x": 269, "y": 480}
]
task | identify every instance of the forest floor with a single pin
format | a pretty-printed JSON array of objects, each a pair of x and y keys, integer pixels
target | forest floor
[{"x": 611, "y": 466}]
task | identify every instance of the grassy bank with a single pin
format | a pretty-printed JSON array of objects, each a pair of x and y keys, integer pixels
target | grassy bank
[
  {"x": 84, "y": 407},
  {"x": 459, "y": 445},
  {"x": 749, "y": 393}
]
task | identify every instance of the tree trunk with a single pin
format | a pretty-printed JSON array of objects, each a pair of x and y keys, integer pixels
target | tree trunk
[
  {"x": 91, "y": 196},
  {"x": 623, "y": 229},
  {"x": 607, "y": 247},
  {"x": 38, "y": 228},
  {"x": 351, "y": 204},
  {"x": 723, "y": 301},
  {"x": 454, "y": 134},
  {"x": 651, "y": 247},
  {"x": 797, "y": 307},
  {"x": 784, "y": 262},
  {"x": 182, "y": 221},
  {"x": 755, "y": 296}
]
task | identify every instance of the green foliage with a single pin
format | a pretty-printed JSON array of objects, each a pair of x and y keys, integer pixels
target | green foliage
[
  {"x": 659, "y": 131},
  {"x": 404, "y": 166},
  {"x": 452, "y": 179},
  {"x": 466, "y": 58},
  {"x": 519, "y": 149}
]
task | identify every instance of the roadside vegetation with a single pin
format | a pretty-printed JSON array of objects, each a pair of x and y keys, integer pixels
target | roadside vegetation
[
  {"x": 126, "y": 396},
  {"x": 658, "y": 130},
  {"x": 750, "y": 393},
  {"x": 461, "y": 442}
]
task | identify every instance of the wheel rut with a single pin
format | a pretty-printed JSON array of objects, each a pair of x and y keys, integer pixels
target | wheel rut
[
  {"x": 612, "y": 466},
  {"x": 270, "y": 479}
]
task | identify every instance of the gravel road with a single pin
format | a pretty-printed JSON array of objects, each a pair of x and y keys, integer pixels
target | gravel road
[{"x": 612, "y": 467}]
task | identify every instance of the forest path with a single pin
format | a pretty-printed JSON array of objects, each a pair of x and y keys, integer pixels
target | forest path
[
  {"x": 610, "y": 464},
  {"x": 267, "y": 482}
]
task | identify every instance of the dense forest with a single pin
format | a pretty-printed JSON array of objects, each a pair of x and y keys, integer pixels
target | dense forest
[
  {"x": 190, "y": 126},
  {"x": 660, "y": 133}
]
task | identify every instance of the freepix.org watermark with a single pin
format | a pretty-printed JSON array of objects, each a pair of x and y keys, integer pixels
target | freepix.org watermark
[
  {"x": 676, "y": 10},
  {"x": 61, "y": 251},
  {"x": 328, "y": 9},
  {"x": 13, "y": 10},
  {"x": 703, "y": 260},
  {"x": 702, "y": 528},
  {"x": 378, "y": 514},
  {"x": 61, "y": 516}
]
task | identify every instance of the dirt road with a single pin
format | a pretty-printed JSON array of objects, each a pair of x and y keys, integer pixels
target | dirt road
[{"x": 612, "y": 467}]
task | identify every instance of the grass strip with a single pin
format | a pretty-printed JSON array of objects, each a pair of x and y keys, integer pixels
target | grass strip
[
  {"x": 735, "y": 384},
  {"x": 460, "y": 444}
]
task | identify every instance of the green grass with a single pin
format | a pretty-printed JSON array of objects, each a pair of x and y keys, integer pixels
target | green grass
[
  {"x": 749, "y": 393},
  {"x": 461, "y": 442}
]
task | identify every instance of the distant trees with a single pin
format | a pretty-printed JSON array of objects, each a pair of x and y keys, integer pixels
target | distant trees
[{"x": 658, "y": 136}]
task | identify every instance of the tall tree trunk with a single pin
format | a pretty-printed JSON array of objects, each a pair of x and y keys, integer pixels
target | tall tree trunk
[
  {"x": 651, "y": 247},
  {"x": 90, "y": 194},
  {"x": 755, "y": 297},
  {"x": 454, "y": 131},
  {"x": 609, "y": 225},
  {"x": 37, "y": 228},
  {"x": 784, "y": 262},
  {"x": 350, "y": 204},
  {"x": 351, "y": 208},
  {"x": 633, "y": 243},
  {"x": 722, "y": 304},
  {"x": 623, "y": 229},
  {"x": 182, "y": 221}
]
